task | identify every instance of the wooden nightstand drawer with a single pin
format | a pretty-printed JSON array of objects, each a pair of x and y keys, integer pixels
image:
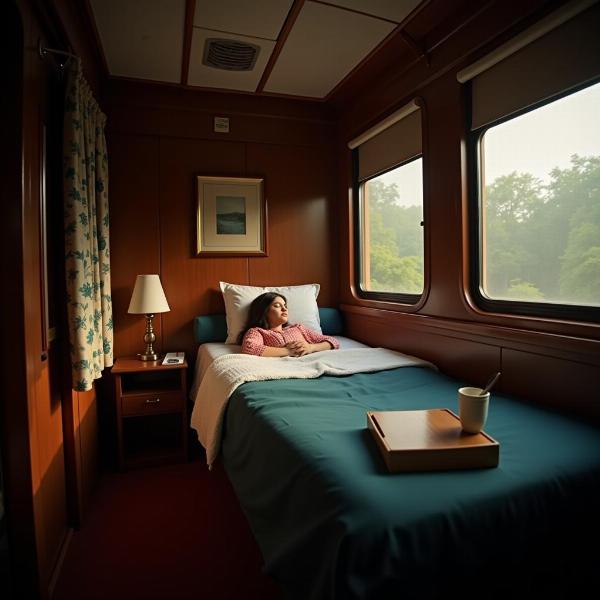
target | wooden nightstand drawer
[
  {"x": 150, "y": 404},
  {"x": 151, "y": 412}
]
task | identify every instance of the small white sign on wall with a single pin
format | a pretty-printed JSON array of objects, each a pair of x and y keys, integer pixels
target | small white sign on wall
[{"x": 221, "y": 124}]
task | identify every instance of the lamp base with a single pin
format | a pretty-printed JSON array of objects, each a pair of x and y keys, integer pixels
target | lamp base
[{"x": 149, "y": 339}]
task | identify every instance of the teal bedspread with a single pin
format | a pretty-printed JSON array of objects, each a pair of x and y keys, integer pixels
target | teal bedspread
[{"x": 332, "y": 523}]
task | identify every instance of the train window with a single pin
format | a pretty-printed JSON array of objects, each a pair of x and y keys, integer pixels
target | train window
[
  {"x": 388, "y": 200},
  {"x": 391, "y": 232},
  {"x": 534, "y": 163},
  {"x": 539, "y": 207}
]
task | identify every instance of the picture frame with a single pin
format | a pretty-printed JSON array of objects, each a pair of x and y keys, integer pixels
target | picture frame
[{"x": 231, "y": 216}]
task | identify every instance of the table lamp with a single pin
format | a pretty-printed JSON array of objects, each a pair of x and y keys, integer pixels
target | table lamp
[{"x": 148, "y": 298}]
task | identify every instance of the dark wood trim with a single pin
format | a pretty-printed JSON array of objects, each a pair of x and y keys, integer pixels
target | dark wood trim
[
  {"x": 59, "y": 561},
  {"x": 292, "y": 97},
  {"x": 14, "y": 413},
  {"x": 358, "y": 12},
  {"x": 463, "y": 23},
  {"x": 70, "y": 26},
  {"x": 45, "y": 320},
  {"x": 188, "y": 31},
  {"x": 90, "y": 22},
  {"x": 52, "y": 26},
  {"x": 418, "y": 49},
  {"x": 390, "y": 36},
  {"x": 257, "y": 93},
  {"x": 576, "y": 349},
  {"x": 402, "y": 68},
  {"x": 135, "y": 94},
  {"x": 445, "y": 54},
  {"x": 71, "y": 445},
  {"x": 283, "y": 36},
  {"x": 397, "y": 31},
  {"x": 214, "y": 90}
]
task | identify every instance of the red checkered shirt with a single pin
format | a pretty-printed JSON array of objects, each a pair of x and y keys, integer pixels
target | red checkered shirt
[{"x": 256, "y": 339}]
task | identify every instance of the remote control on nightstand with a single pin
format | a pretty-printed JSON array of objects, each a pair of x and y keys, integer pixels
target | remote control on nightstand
[{"x": 174, "y": 358}]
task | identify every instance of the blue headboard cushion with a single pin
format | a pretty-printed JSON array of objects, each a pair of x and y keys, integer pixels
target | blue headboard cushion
[
  {"x": 213, "y": 328},
  {"x": 332, "y": 321},
  {"x": 210, "y": 328}
]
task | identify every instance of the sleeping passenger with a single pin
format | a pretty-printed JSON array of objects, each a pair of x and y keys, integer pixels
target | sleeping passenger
[{"x": 268, "y": 333}]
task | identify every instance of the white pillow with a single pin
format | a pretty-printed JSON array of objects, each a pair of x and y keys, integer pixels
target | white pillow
[{"x": 301, "y": 303}]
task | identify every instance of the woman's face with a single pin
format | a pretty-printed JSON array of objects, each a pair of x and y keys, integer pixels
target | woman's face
[{"x": 277, "y": 313}]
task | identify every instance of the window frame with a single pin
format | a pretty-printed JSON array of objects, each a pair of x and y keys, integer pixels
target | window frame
[
  {"x": 548, "y": 310},
  {"x": 412, "y": 300}
]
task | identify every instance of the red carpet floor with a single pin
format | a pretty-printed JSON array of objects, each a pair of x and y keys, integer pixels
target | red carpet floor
[{"x": 168, "y": 532}]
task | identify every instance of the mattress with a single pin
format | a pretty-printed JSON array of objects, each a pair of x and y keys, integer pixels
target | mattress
[{"x": 331, "y": 522}]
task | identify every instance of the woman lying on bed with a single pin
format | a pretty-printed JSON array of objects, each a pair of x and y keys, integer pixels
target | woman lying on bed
[{"x": 268, "y": 333}]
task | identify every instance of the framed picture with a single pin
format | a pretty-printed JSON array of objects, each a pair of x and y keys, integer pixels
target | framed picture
[{"x": 231, "y": 216}]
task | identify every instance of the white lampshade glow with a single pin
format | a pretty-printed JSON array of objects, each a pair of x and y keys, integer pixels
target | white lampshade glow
[{"x": 148, "y": 297}]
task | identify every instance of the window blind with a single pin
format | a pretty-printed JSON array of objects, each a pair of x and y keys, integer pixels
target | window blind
[
  {"x": 395, "y": 140},
  {"x": 560, "y": 52}
]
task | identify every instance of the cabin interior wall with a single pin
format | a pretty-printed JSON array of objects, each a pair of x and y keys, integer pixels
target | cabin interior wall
[
  {"x": 44, "y": 411},
  {"x": 447, "y": 328},
  {"x": 159, "y": 141},
  {"x": 49, "y": 453},
  {"x": 19, "y": 554}
]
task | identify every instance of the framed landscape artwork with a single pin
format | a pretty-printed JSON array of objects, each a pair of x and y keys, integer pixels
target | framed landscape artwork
[{"x": 231, "y": 216}]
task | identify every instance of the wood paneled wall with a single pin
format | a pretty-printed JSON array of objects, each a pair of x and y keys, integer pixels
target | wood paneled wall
[
  {"x": 15, "y": 451},
  {"x": 43, "y": 430},
  {"x": 35, "y": 425},
  {"x": 540, "y": 358},
  {"x": 159, "y": 140}
]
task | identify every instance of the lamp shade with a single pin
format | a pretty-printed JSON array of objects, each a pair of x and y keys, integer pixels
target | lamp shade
[{"x": 148, "y": 296}]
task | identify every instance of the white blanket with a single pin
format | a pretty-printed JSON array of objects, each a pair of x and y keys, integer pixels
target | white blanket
[{"x": 228, "y": 372}]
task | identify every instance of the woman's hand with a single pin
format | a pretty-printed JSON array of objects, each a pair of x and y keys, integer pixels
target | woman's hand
[{"x": 300, "y": 348}]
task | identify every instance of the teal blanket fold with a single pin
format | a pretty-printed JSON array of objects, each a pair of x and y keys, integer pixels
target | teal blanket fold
[{"x": 331, "y": 522}]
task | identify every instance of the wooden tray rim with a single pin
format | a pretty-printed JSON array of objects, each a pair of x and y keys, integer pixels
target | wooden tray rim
[{"x": 376, "y": 429}]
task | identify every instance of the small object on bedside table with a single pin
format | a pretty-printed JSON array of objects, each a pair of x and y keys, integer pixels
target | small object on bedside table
[
  {"x": 151, "y": 412},
  {"x": 173, "y": 358}
]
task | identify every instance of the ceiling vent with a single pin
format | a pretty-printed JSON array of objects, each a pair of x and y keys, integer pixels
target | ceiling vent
[{"x": 230, "y": 55}]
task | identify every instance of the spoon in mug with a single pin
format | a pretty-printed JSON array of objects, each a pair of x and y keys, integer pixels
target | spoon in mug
[{"x": 491, "y": 383}]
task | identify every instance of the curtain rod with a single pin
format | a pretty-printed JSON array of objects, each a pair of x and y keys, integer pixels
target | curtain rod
[{"x": 43, "y": 51}]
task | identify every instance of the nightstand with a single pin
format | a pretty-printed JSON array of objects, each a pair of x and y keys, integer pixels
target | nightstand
[{"x": 151, "y": 411}]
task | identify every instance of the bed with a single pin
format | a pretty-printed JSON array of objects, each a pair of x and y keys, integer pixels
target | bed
[{"x": 332, "y": 523}]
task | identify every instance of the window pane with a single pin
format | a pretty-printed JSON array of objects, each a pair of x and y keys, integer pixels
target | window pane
[
  {"x": 540, "y": 204},
  {"x": 392, "y": 236}
]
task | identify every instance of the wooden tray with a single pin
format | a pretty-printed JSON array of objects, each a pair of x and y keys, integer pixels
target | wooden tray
[{"x": 429, "y": 440}]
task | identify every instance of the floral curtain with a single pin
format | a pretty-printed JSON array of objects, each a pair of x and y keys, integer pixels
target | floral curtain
[{"x": 86, "y": 233}]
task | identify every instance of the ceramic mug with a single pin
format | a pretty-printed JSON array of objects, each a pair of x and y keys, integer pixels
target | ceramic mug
[{"x": 472, "y": 408}]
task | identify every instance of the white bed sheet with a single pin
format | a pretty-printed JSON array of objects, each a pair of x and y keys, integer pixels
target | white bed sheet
[{"x": 211, "y": 350}]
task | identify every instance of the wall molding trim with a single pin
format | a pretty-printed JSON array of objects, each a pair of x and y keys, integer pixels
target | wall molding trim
[{"x": 576, "y": 349}]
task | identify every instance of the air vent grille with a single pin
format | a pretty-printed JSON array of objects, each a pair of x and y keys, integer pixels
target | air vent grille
[{"x": 230, "y": 55}]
